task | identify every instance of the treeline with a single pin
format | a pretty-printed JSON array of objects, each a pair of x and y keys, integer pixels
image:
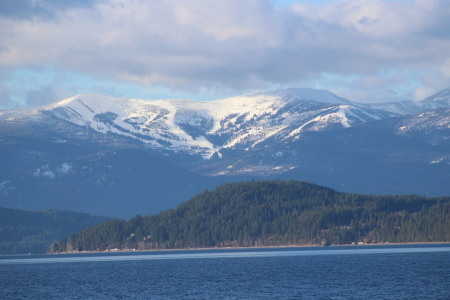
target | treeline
[
  {"x": 23, "y": 231},
  {"x": 270, "y": 213}
]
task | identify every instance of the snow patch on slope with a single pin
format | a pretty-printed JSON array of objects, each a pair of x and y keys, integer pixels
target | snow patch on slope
[{"x": 50, "y": 173}]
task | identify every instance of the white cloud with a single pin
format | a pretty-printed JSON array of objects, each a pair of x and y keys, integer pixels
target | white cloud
[
  {"x": 233, "y": 44},
  {"x": 421, "y": 93},
  {"x": 446, "y": 67}
]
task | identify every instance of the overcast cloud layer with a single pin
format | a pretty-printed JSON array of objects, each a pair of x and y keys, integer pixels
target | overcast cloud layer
[{"x": 366, "y": 50}]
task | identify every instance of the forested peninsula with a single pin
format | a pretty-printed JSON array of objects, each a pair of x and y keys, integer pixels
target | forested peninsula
[{"x": 273, "y": 213}]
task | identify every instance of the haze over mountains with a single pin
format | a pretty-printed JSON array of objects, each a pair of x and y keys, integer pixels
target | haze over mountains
[{"x": 120, "y": 157}]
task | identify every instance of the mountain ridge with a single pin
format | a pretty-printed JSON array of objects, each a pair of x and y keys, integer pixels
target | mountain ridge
[
  {"x": 96, "y": 153},
  {"x": 25, "y": 231},
  {"x": 194, "y": 126}
]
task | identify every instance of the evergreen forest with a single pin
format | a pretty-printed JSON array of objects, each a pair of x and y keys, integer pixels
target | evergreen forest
[{"x": 273, "y": 213}]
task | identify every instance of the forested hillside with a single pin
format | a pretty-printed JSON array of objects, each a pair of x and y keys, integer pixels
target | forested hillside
[
  {"x": 274, "y": 213},
  {"x": 24, "y": 231}
]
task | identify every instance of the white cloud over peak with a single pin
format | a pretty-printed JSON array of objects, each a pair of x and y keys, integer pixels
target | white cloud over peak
[{"x": 236, "y": 45}]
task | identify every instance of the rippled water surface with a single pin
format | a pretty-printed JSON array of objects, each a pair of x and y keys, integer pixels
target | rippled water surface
[{"x": 371, "y": 272}]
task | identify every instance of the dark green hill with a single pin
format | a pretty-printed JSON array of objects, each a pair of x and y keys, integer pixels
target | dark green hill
[
  {"x": 274, "y": 213},
  {"x": 24, "y": 231}
]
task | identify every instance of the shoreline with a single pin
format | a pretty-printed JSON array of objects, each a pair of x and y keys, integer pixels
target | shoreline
[{"x": 248, "y": 247}]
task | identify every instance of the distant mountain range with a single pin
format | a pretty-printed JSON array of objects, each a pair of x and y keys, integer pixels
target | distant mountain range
[
  {"x": 23, "y": 231},
  {"x": 120, "y": 157}
]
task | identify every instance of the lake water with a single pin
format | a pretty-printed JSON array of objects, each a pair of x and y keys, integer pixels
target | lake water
[{"x": 356, "y": 272}]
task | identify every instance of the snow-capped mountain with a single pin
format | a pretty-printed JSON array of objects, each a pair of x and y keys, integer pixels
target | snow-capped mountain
[
  {"x": 436, "y": 101},
  {"x": 206, "y": 128},
  {"x": 118, "y": 157}
]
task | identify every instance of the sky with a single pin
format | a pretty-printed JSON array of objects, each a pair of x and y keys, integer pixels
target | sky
[{"x": 364, "y": 50}]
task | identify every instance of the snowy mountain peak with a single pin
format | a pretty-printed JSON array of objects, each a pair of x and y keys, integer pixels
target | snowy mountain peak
[
  {"x": 440, "y": 100},
  {"x": 306, "y": 94},
  {"x": 84, "y": 98},
  {"x": 206, "y": 127}
]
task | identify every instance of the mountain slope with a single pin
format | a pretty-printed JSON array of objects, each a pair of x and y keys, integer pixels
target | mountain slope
[
  {"x": 87, "y": 171},
  {"x": 118, "y": 157},
  {"x": 23, "y": 231}
]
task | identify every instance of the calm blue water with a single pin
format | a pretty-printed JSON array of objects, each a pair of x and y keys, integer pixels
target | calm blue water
[{"x": 372, "y": 272}]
